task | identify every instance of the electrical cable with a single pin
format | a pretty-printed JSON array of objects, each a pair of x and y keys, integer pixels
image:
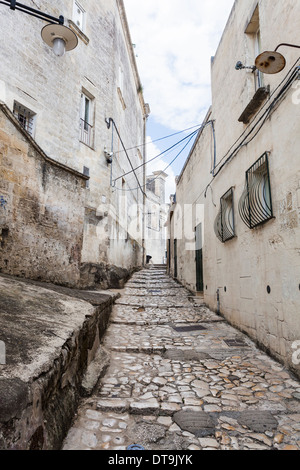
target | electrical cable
[
  {"x": 161, "y": 138},
  {"x": 263, "y": 118},
  {"x": 289, "y": 78},
  {"x": 110, "y": 120},
  {"x": 168, "y": 151},
  {"x": 162, "y": 153},
  {"x": 261, "y": 109},
  {"x": 162, "y": 171}
]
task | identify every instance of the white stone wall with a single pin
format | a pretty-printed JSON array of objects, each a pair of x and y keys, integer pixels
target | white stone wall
[
  {"x": 51, "y": 87},
  {"x": 242, "y": 269}
]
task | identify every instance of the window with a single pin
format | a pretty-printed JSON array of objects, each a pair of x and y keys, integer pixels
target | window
[
  {"x": 86, "y": 172},
  {"x": 120, "y": 87},
  {"x": 79, "y": 15},
  {"x": 224, "y": 223},
  {"x": 259, "y": 77},
  {"x": 121, "y": 79},
  {"x": 253, "y": 32},
  {"x": 253, "y": 35},
  {"x": 25, "y": 116},
  {"x": 87, "y": 110},
  {"x": 139, "y": 154},
  {"x": 255, "y": 206},
  {"x": 151, "y": 185}
]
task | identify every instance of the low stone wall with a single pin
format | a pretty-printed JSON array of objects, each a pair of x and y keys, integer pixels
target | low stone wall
[
  {"x": 52, "y": 336},
  {"x": 41, "y": 209},
  {"x": 104, "y": 276}
]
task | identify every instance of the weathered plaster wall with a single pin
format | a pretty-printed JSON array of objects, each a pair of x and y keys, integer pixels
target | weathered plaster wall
[
  {"x": 41, "y": 216},
  {"x": 51, "y": 87},
  {"x": 243, "y": 268}
]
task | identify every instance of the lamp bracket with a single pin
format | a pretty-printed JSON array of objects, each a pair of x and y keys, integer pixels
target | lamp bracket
[
  {"x": 287, "y": 45},
  {"x": 14, "y": 5},
  {"x": 240, "y": 66}
]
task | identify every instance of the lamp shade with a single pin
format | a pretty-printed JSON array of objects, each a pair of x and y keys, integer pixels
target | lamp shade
[
  {"x": 59, "y": 47},
  {"x": 270, "y": 62},
  {"x": 52, "y": 32}
]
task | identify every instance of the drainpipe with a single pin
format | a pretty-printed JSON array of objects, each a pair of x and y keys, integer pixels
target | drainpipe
[{"x": 146, "y": 115}]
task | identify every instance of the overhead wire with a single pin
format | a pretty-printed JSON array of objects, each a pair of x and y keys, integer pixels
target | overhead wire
[
  {"x": 165, "y": 169},
  {"x": 159, "y": 155},
  {"x": 161, "y": 138},
  {"x": 220, "y": 165},
  {"x": 291, "y": 71},
  {"x": 109, "y": 121},
  {"x": 289, "y": 78}
]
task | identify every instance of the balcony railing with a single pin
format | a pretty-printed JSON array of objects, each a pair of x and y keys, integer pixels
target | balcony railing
[{"x": 86, "y": 133}]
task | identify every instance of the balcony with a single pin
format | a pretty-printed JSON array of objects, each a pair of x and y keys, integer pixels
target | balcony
[
  {"x": 260, "y": 96},
  {"x": 86, "y": 133}
]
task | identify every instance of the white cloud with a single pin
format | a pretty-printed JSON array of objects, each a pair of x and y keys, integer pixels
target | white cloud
[{"x": 175, "y": 41}]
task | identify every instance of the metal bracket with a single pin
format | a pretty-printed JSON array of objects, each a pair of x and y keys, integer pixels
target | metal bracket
[
  {"x": 240, "y": 66},
  {"x": 108, "y": 122},
  {"x": 14, "y": 5}
]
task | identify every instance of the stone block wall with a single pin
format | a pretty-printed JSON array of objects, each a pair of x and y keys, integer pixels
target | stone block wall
[
  {"x": 42, "y": 210},
  {"x": 52, "y": 336}
]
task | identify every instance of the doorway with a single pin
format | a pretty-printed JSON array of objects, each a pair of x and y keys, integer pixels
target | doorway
[{"x": 199, "y": 259}]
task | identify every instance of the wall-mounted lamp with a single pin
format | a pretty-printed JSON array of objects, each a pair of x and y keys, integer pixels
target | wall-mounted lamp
[
  {"x": 108, "y": 156},
  {"x": 56, "y": 35},
  {"x": 271, "y": 62},
  {"x": 60, "y": 38}
]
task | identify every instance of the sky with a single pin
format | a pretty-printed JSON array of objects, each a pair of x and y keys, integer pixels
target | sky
[{"x": 174, "y": 41}]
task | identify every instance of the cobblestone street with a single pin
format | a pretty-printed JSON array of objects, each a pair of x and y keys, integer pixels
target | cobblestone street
[{"x": 181, "y": 378}]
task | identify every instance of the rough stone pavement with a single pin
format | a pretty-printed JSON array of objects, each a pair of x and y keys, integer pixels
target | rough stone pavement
[{"x": 181, "y": 378}]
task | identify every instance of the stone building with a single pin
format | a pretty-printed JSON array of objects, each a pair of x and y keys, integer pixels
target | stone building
[
  {"x": 156, "y": 216},
  {"x": 234, "y": 230},
  {"x": 85, "y": 111}
]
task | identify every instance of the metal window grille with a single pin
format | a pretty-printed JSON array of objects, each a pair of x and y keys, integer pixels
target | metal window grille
[
  {"x": 224, "y": 223},
  {"x": 25, "y": 117},
  {"x": 255, "y": 205}
]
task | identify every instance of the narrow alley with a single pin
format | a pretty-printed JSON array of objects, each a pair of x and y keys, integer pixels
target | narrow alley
[{"x": 181, "y": 378}]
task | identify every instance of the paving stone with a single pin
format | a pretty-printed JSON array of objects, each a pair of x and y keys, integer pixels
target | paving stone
[
  {"x": 112, "y": 405},
  {"x": 200, "y": 424},
  {"x": 206, "y": 442},
  {"x": 258, "y": 421},
  {"x": 141, "y": 407},
  {"x": 173, "y": 385}
]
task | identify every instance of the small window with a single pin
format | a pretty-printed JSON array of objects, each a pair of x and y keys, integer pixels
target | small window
[
  {"x": 150, "y": 185},
  {"x": 87, "y": 110},
  {"x": 120, "y": 86},
  {"x": 224, "y": 223},
  {"x": 86, "y": 172},
  {"x": 121, "y": 80},
  {"x": 253, "y": 31},
  {"x": 259, "y": 77},
  {"x": 255, "y": 206},
  {"x": 25, "y": 116},
  {"x": 79, "y": 16},
  {"x": 140, "y": 155}
]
